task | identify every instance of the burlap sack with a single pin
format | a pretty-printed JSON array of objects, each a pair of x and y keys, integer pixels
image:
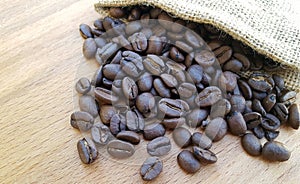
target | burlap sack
[{"x": 271, "y": 27}]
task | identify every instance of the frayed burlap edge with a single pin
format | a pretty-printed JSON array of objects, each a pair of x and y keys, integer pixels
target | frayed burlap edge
[{"x": 291, "y": 74}]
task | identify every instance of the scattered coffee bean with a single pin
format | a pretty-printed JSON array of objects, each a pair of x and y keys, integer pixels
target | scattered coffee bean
[
  {"x": 201, "y": 140},
  {"x": 100, "y": 134},
  {"x": 159, "y": 146},
  {"x": 153, "y": 131},
  {"x": 188, "y": 162},
  {"x": 151, "y": 168},
  {"x": 251, "y": 144},
  {"x": 87, "y": 104},
  {"x": 85, "y": 31},
  {"x": 81, "y": 120},
  {"x": 236, "y": 123},
  {"x": 182, "y": 137},
  {"x": 106, "y": 113},
  {"x": 294, "y": 116},
  {"x": 172, "y": 123},
  {"x": 204, "y": 156},
  {"x": 129, "y": 136},
  {"x": 275, "y": 151},
  {"x": 216, "y": 129},
  {"x": 87, "y": 150},
  {"x": 120, "y": 149}
]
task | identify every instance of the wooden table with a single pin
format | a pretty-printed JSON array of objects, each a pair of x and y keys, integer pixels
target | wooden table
[{"x": 40, "y": 54}]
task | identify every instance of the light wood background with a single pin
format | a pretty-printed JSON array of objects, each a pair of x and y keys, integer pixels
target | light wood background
[{"x": 40, "y": 53}]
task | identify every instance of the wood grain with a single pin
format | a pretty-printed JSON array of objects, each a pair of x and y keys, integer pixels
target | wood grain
[{"x": 40, "y": 55}]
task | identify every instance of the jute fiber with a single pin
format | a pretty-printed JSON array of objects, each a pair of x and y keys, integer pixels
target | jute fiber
[{"x": 271, "y": 27}]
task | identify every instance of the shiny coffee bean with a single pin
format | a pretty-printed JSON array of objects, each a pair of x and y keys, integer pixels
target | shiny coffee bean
[
  {"x": 83, "y": 86},
  {"x": 257, "y": 107},
  {"x": 281, "y": 112},
  {"x": 122, "y": 41},
  {"x": 153, "y": 131},
  {"x": 236, "y": 123},
  {"x": 155, "y": 12},
  {"x": 184, "y": 46},
  {"x": 245, "y": 89},
  {"x": 98, "y": 23},
  {"x": 129, "y": 136},
  {"x": 271, "y": 135},
  {"x": 252, "y": 119},
  {"x": 154, "y": 64},
  {"x": 270, "y": 122},
  {"x": 294, "y": 116},
  {"x": 182, "y": 137},
  {"x": 145, "y": 82},
  {"x": 87, "y": 104},
  {"x": 188, "y": 162},
  {"x": 233, "y": 65},
  {"x": 176, "y": 55},
  {"x": 201, "y": 140},
  {"x": 230, "y": 80},
  {"x": 138, "y": 41},
  {"x": 275, "y": 151},
  {"x": 145, "y": 102},
  {"x": 97, "y": 78},
  {"x": 251, "y": 144},
  {"x": 243, "y": 59},
  {"x": 172, "y": 123},
  {"x": 100, "y": 134},
  {"x": 279, "y": 81},
  {"x": 104, "y": 53},
  {"x": 216, "y": 129},
  {"x": 135, "y": 14},
  {"x": 204, "y": 156},
  {"x": 261, "y": 82},
  {"x": 89, "y": 48},
  {"x": 161, "y": 88},
  {"x": 110, "y": 71},
  {"x": 195, "y": 117},
  {"x": 288, "y": 98},
  {"x": 208, "y": 96},
  {"x": 117, "y": 124},
  {"x": 173, "y": 108},
  {"x": 223, "y": 54},
  {"x": 151, "y": 168},
  {"x": 259, "y": 95},
  {"x": 81, "y": 120},
  {"x": 134, "y": 121},
  {"x": 196, "y": 73},
  {"x": 106, "y": 113},
  {"x": 169, "y": 80},
  {"x": 155, "y": 45},
  {"x": 159, "y": 146},
  {"x": 259, "y": 132},
  {"x": 87, "y": 150},
  {"x": 120, "y": 149},
  {"x": 130, "y": 89},
  {"x": 238, "y": 103},
  {"x": 85, "y": 31},
  {"x": 205, "y": 58},
  {"x": 248, "y": 107},
  {"x": 221, "y": 108},
  {"x": 186, "y": 90},
  {"x": 105, "y": 96},
  {"x": 269, "y": 102},
  {"x": 107, "y": 83}
]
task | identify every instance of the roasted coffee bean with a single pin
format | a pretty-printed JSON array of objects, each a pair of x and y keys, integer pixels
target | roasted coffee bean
[
  {"x": 270, "y": 122},
  {"x": 208, "y": 96},
  {"x": 169, "y": 80},
  {"x": 151, "y": 168},
  {"x": 288, "y": 98},
  {"x": 173, "y": 108},
  {"x": 230, "y": 80},
  {"x": 269, "y": 102},
  {"x": 87, "y": 150},
  {"x": 205, "y": 58},
  {"x": 81, "y": 120},
  {"x": 236, "y": 123},
  {"x": 134, "y": 121},
  {"x": 221, "y": 108},
  {"x": 97, "y": 78},
  {"x": 98, "y": 23},
  {"x": 104, "y": 53},
  {"x": 279, "y": 82},
  {"x": 172, "y": 123},
  {"x": 135, "y": 14},
  {"x": 281, "y": 112},
  {"x": 155, "y": 45},
  {"x": 129, "y": 136},
  {"x": 87, "y": 104},
  {"x": 154, "y": 64},
  {"x": 196, "y": 73},
  {"x": 184, "y": 46},
  {"x": 216, "y": 129},
  {"x": 153, "y": 131},
  {"x": 251, "y": 144},
  {"x": 155, "y": 12},
  {"x": 110, "y": 71},
  {"x": 294, "y": 116},
  {"x": 117, "y": 124},
  {"x": 186, "y": 90},
  {"x": 83, "y": 86},
  {"x": 261, "y": 82},
  {"x": 245, "y": 89},
  {"x": 204, "y": 156},
  {"x": 161, "y": 88},
  {"x": 243, "y": 59},
  {"x": 105, "y": 96},
  {"x": 259, "y": 95},
  {"x": 238, "y": 103},
  {"x": 257, "y": 107},
  {"x": 117, "y": 12},
  {"x": 182, "y": 137},
  {"x": 132, "y": 63},
  {"x": 193, "y": 39},
  {"x": 201, "y": 140},
  {"x": 145, "y": 82},
  {"x": 106, "y": 113},
  {"x": 233, "y": 65},
  {"x": 159, "y": 146},
  {"x": 133, "y": 27},
  {"x": 85, "y": 31},
  {"x": 122, "y": 41},
  {"x": 271, "y": 135},
  {"x": 188, "y": 162},
  {"x": 120, "y": 149},
  {"x": 138, "y": 41},
  {"x": 130, "y": 89},
  {"x": 275, "y": 151},
  {"x": 100, "y": 133},
  {"x": 189, "y": 59},
  {"x": 223, "y": 54},
  {"x": 89, "y": 48},
  {"x": 195, "y": 117},
  {"x": 176, "y": 55},
  {"x": 248, "y": 107},
  {"x": 107, "y": 83},
  {"x": 259, "y": 131},
  {"x": 145, "y": 102},
  {"x": 252, "y": 119}
]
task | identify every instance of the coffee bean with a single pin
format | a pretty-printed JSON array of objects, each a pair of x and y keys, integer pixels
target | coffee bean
[
  {"x": 110, "y": 71},
  {"x": 129, "y": 136},
  {"x": 259, "y": 132},
  {"x": 117, "y": 12},
  {"x": 172, "y": 123},
  {"x": 100, "y": 134},
  {"x": 205, "y": 58},
  {"x": 135, "y": 14},
  {"x": 182, "y": 137},
  {"x": 188, "y": 162},
  {"x": 236, "y": 123},
  {"x": 145, "y": 81},
  {"x": 184, "y": 46},
  {"x": 261, "y": 82},
  {"x": 105, "y": 96},
  {"x": 87, "y": 104},
  {"x": 145, "y": 102},
  {"x": 153, "y": 131},
  {"x": 294, "y": 116},
  {"x": 107, "y": 83},
  {"x": 270, "y": 122},
  {"x": 186, "y": 90},
  {"x": 196, "y": 73},
  {"x": 259, "y": 95},
  {"x": 230, "y": 80},
  {"x": 161, "y": 88},
  {"x": 223, "y": 54},
  {"x": 251, "y": 144},
  {"x": 248, "y": 107},
  {"x": 288, "y": 98},
  {"x": 138, "y": 41},
  {"x": 201, "y": 140},
  {"x": 238, "y": 103},
  {"x": 85, "y": 31},
  {"x": 208, "y": 96},
  {"x": 176, "y": 55},
  {"x": 281, "y": 112},
  {"x": 221, "y": 108},
  {"x": 120, "y": 149},
  {"x": 173, "y": 108},
  {"x": 159, "y": 146},
  {"x": 151, "y": 168},
  {"x": 233, "y": 65},
  {"x": 89, "y": 48},
  {"x": 106, "y": 113},
  {"x": 257, "y": 107},
  {"x": 243, "y": 59},
  {"x": 271, "y": 135},
  {"x": 275, "y": 151},
  {"x": 87, "y": 150},
  {"x": 252, "y": 119},
  {"x": 81, "y": 120},
  {"x": 134, "y": 120},
  {"x": 155, "y": 45},
  {"x": 245, "y": 89},
  {"x": 97, "y": 78},
  {"x": 130, "y": 89},
  {"x": 216, "y": 129},
  {"x": 269, "y": 102},
  {"x": 155, "y": 12},
  {"x": 193, "y": 39},
  {"x": 133, "y": 27},
  {"x": 169, "y": 80},
  {"x": 83, "y": 86},
  {"x": 117, "y": 124},
  {"x": 104, "y": 53},
  {"x": 98, "y": 23},
  {"x": 279, "y": 82},
  {"x": 195, "y": 117},
  {"x": 204, "y": 156},
  {"x": 154, "y": 64}
]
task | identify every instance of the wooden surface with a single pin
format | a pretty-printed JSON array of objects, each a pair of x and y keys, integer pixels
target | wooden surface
[{"x": 40, "y": 54}]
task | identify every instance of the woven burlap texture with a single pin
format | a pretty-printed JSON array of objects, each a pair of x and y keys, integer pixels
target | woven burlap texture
[{"x": 268, "y": 26}]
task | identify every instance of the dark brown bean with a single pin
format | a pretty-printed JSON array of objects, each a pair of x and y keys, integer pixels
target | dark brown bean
[
  {"x": 173, "y": 108},
  {"x": 204, "y": 156},
  {"x": 130, "y": 89},
  {"x": 151, "y": 168},
  {"x": 236, "y": 123},
  {"x": 223, "y": 54},
  {"x": 153, "y": 131},
  {"x": 238, "y": 103},
  {"x": 134, "y": 121},
  {"x": 271, "y": 135},
  {"x": 129, "y": 136},
  {"x": 269, "y": 102},
  {"x": 216, "y": 129},
  {"x": 169, "y": 80},
  {"x": 161, "y": 88},
  {"x": 87, "y": 104},
  {"x": 176, "y": 55},
  {"x": 81, "y": 120},
  {"x": 196, "y": 73},
  {"x": 105, "y": 96},
  {"x": 195, "y": 117},
  {"x": 270, "y": 122},
  {"x": 89, "y": 48},
  {"x": 104, "y": 53},
  {"x": 275, "y": 151},
  {"x": 281, "y": 112},
  {"x": 117, "y": 124},
  {"x": 83, "y": 86},
  {"x": 252, "y": 119},
  {"x": 172, "y": 123},
  {"x": 117, "y": 12},
  {"x": 145, "y": 82},
  {"x": 85, "y": 31},
  {"x": 155, "y": 45},
  {"x": 245, "y": 89},
  {"x": 261, "y": 82},
  {"x": 120, "y": 149},
  {"x": 257, "y": 107},
  {"x": 233, "y": 65},
  {"x": 251, "y": 144},
  {"x": 201, "y": 140},
  {"x": 259, "y": 132},
  {"x": 182, "y": 137},
  {"x": 221, "y": 108},
  {"x": 205, "y": 58},
  {"x": 159, "y": 146},
  {"x": 138, "y": 41},
  {"x": 154, "y": 64},
  {"x": 294, "y": 116},
  {"x": 106, "y": 113},
  {"x": 100, "y": 133},
  {"x": 188, "y": 162},
  {"x": 243, "y": 59},
  {"x": 208, "y": 96}
]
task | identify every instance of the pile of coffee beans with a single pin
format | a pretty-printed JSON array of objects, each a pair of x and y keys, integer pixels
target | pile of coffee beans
[{"x": 156, "y": 75}]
